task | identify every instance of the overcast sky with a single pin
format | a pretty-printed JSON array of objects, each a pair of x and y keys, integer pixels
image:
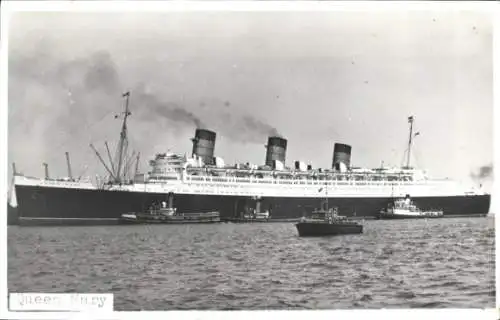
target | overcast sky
[{"x": 314, "y": 77}]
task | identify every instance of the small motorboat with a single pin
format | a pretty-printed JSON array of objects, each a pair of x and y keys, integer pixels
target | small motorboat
[{"x": 327, "y": 222}]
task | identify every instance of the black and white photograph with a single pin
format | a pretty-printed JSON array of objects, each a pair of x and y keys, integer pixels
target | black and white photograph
[{"x": 268, "y": 158}]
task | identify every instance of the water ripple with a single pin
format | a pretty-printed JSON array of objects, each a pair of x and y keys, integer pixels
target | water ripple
[{"x": 394, "y": 264}]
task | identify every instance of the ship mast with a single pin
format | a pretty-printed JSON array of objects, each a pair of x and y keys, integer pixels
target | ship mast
[
  {"x": 410, "y": 140},
  {"x": 120, "y": 168},
  {"x": 122, "y": 145}
]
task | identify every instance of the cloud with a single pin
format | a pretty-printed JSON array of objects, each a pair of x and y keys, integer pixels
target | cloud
[{"x": 251, "y": 75}]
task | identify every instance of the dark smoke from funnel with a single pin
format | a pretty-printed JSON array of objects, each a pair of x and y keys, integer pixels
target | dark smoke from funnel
[
  {"x": 260, "y": 127},
  {"x": 79, "y": 92},
  {"x": 87, "y": 82},
  {"x": 62, "y": 102},
  {"x": 236, "y": 127},
  {"x": 175, "y": 113},
  {"x": 231, "y": 121},
  {"x": 149, "y": 107},
  {"x": 484, "y": 172}
]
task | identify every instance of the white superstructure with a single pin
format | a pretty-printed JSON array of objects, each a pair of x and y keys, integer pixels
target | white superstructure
[{"x": 175, "y": 173}]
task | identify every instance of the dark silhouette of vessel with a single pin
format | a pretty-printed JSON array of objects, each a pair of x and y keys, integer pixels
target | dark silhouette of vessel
[{"x": 327, "y": 223}]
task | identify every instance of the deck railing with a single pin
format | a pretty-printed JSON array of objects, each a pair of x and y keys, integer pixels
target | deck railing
[{"x": 213, "y": 180}]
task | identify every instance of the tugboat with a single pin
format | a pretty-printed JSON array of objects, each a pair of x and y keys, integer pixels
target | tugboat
[
  {"x": 251, "y": 214},
  {"x": 404, "y": 208},
  {"x": 327, "y": 223},
  {"x": 169, "y": 215},
  {"x": 258, "y": 216}
]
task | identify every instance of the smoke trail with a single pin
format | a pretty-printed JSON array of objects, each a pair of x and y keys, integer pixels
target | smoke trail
[
  {"x": 46, "y": 93},
  {"x": 232, "y": 121},
  {"x": 73, "y": 95},
  {"x": 484, "y": 172},
  {"x": 150, "y": 107},
  {"x": 258, "y": 126}
]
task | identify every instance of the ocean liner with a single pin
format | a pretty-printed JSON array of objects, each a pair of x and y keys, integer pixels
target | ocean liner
[{"x": 203, "y": 182}]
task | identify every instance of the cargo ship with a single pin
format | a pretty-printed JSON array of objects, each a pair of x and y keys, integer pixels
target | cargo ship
[{"x": 203, "y": 182}]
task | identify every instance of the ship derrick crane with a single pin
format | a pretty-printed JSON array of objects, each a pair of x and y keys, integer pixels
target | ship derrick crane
[{"x": 119, "y": 168}]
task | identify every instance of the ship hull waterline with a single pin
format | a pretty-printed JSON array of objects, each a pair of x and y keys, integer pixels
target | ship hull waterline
[
  {"x": 270, "y": 220},
  {"x": 44, "y": 205},
  {"x": 138, "y": 219}
]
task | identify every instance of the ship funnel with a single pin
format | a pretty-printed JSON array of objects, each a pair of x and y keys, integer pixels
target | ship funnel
[
  {"x": 203, "y": 145},
  {"x": 276, "y": 151},
  {"x": 341, "y": 156}
]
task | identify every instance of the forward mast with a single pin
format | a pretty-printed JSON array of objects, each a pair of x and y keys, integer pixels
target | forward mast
[{"x": 118, "y": 169}]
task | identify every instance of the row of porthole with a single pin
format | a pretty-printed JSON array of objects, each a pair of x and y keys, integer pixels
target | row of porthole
[{"x": 312, "y": 184}]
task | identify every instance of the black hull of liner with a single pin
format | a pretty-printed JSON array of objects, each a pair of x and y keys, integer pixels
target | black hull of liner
[{"x": 56, "y": 204}]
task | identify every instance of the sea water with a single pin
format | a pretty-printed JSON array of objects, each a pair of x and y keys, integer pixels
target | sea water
[{"x": 440, "y": 263}]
